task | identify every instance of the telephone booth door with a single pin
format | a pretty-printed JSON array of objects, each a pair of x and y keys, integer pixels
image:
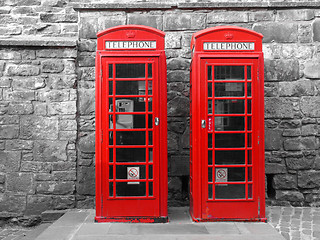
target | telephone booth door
[
  {"x": 228, "y": 154},
  {"x": 131, "y": 172}
]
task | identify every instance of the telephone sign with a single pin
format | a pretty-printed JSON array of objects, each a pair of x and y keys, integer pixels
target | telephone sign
[
  {"x": 131, "y": 130},
  {"x": 226, "y": 158},
  {"x": 229, "y": 46},
  {"x": 131, "y": 44}
]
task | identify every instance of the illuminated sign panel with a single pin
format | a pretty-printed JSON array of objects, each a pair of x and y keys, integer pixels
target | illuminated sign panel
[
  {"x": 235, "y": 46},
  {"x": 131, "y": 44}
]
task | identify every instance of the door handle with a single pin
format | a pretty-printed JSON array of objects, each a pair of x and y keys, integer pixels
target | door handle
[
  {"x": 203, "y": 123},
  {"x": 156, "y": 121}
]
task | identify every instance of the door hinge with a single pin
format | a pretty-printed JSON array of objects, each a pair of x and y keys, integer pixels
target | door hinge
[
  {"x": 259, "y": 206},
  {"x": 258, "y": 140},
  {"x": 101, "y": 135}
]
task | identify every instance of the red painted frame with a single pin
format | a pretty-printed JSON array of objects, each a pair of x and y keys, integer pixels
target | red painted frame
[
  {"x": 201, "y": 208},
  {"x": 132, "y": 209}
]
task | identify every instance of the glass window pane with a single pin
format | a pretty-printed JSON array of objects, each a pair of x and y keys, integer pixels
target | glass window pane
[
  {"x": 123, "y": 189},
  {"x": 131, "y": 138},
  {"x": 149, "y": 70},
  {"x": 209, "y": 157},
  {"x": 249, "y": 127},
  {"x": 249, "y": 105},
  {"x": 249, "y": 140},
  {"x": 110, "y": 87},
  {"x": 110, "y": 70},
  {"x": 230, "y": 191},
  {"x": 110, "y": 107},
  {"x": 149, "y": 87},
  {"x": 210, "y": 140},
  {"x": 229, "y": 89},
  {"x": 210, "y": 191},
  {"x": 150, "y": 138},
  {"x": 209, "y": 174},
  {"x": 130, "y": 87},
  {"x": 130, "y": 154},
  {"x": 250, "y": 174},
  {"x": 150, "y": 154},
  {"x": 110, "y": 172},
  {"x": 229, "y": 73},
  {"x": 150, "y": 172},
  {"x": 122, "y": 171},
  {"x": 209, "y": 106},
  {"x": 249, "y": 156},
  {"x": 110, "y": 138},
  {"x": 150, "y": 104},
  {"x": 209, "y": 73},
  {"x": 229, "y": 106},
  {"x": 150, "y": 189},
  {"x": 110, "y": 154},
  {"x": 230, "y": 140},
  {"x": 150, "y": 120},
  {"x": 249, "y": 72},
  {"x": 225, "y": 157},
  {"x": 229, "y": 123},
  {"x": 111, "y": 189},
  {"x": 249, "y": 89},
  {"x": 131, "y": 70},
  {"x": 250, "y": 191},
  {"x": 209, "y": 89}
]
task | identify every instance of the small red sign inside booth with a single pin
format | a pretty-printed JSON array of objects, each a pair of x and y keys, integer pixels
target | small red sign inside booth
[
  {"x": 227, "y": 179},
  {"x": 131, "y": 125}
]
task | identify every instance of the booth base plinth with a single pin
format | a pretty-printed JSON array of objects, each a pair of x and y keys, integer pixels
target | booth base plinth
[
  {"x": 212, "y": 219},
  {"x": 133, "y": 219}
]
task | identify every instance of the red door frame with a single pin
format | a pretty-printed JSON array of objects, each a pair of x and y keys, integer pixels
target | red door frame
[
  {"x": 126, "y": 209},
  {"x": 199, "y": 209}
]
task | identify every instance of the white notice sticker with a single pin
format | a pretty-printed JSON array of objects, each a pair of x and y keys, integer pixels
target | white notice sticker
[
  {"x": 221, "y": 174},
  {"x": 133, "y": 173}
]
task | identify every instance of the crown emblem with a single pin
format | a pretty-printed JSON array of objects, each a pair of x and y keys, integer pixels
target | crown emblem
[
  {"x": 131, "y": 34},
  {"x": 228, "y": 35}
]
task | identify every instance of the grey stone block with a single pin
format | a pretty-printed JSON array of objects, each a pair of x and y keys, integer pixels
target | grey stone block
[
  {"x": 278, "y": 32},
  {"x": 281, "y": 70},
  {"x": 86, "y": 181},
  {"x": 20, "y": 182},
  {"x": 309, "y": 179},
  {"x": 37, "y": 128},
  {"x": 184, "y": 21},
  {"x": 155, "y": 21},
  {"x": 55, "y": 188}
]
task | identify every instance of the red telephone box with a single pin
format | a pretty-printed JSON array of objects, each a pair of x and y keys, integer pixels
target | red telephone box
[
  {"x": 131, "y": 125},
  {"x": 227, "y": 180}
]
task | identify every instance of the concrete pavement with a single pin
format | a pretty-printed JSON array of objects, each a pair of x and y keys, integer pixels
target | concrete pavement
[{"x": 79, "y": 225}]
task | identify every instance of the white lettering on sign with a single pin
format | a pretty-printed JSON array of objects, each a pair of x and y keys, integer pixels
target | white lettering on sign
[
  {"x": 233, "y": 46},
  {"x": 131, "y": 44},
  {"x": 133, "y": 173}
]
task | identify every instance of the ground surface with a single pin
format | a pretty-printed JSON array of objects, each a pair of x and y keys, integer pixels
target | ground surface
[{"x": 292, "y": 223}]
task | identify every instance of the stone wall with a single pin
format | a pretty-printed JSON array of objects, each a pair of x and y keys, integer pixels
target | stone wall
[
  {"x": 291, "y": 47},
  {"x": 38, "y": 129},
  {"x": 47, "y": 95}
]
